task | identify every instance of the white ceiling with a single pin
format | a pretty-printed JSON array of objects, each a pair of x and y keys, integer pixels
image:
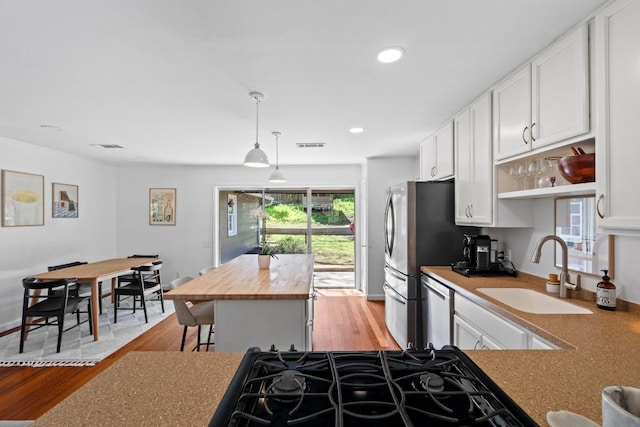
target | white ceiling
[{"x": 169, "y": 80}]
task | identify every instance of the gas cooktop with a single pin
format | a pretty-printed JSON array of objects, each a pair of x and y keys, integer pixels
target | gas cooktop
[{"x": 373, "y": 388}]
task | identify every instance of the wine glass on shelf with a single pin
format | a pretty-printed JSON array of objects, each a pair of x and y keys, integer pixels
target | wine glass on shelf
[
  {"x": 532, "y": 171},
  {"x": 543, "y": 169},
  {"x": 516, "y": 172}
]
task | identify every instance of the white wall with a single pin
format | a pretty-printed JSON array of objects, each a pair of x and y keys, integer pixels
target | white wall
[
  {"x": 29, "y": 250},
  {"x": 523, "y": 241},
  {"x": 379, "y": 174},
  {"x": 189, "y": 245}
]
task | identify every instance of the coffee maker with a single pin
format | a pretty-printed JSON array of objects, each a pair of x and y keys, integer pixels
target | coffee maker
[
  {"x": 480, "y": 257},
  {"x": 476, "y": 251}
]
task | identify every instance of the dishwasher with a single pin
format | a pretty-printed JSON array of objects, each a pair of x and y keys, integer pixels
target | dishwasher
[{"x": 437, "y": 312}]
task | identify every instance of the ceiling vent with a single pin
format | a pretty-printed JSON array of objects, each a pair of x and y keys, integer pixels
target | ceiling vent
[
  {"x": 107, "y": 146},
  {"x": 310, "y": 144}
]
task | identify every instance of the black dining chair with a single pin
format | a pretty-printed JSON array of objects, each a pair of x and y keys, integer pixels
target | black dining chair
[
  {"x": 79, "y": 289},
  {"x": 146, "y": 283},
  {"x": 55, "y": 303},
  {"x": 128, "y": 278}
]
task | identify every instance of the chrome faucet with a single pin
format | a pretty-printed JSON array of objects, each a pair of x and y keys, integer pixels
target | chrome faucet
[{"x": 565, "y": 280}]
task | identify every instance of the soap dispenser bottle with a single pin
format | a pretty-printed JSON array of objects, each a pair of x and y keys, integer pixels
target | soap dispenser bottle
[{"x": 606, "y": 293}]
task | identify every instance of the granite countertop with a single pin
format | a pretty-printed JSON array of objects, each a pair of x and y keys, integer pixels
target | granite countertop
[
  {"x": 597, "y": 350},
  {"x": 149, "y": 389}
]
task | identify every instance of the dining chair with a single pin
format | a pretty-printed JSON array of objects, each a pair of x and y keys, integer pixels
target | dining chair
[
  {"x": 57, "y": 302},
  {"x": 206, "y": 269},
  {"x": 147, "y": 282},
  {"x": 128, "y": 278},
  {"x": 189, "y": 314},
  {"x": 79, "y": 289}
]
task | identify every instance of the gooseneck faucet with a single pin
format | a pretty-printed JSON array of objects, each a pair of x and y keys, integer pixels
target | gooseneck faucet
[{"x": 565, "y": 280}]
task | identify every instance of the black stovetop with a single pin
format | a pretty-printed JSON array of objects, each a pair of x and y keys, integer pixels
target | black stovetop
[{"x": 372, "y": 388}]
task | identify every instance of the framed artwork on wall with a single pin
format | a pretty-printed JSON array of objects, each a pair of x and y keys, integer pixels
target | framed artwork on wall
[
  {"x": 162, "y": 206},
  {"x": 64, "y": 200},
  {"x": 22, "y": 199}
]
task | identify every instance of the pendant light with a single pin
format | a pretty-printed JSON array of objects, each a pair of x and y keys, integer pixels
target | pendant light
[
  {"x": 276, "y": 175},
  {"x": 256, "y": 158}
]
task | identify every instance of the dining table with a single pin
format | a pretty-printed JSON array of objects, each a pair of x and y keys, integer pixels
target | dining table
[{"x": 94, "y": 273}]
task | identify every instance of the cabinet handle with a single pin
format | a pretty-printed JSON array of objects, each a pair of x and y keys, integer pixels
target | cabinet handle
[
  {"x": 475, "y": 346},
  {"x": 471, "y": 211},
  {"x": 531, "y": 133},
  {"x": 600, "y": 214},
  {"x": 466, "y": 211},
  {"x": 523, "y": 132},
  {"x": 433, "y": 171}
]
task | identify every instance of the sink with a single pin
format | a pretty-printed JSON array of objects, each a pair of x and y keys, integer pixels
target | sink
[{"x": 532, "y": 301}]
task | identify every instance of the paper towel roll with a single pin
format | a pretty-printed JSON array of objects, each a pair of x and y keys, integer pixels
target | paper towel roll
[{"x": 620, "y": 406}]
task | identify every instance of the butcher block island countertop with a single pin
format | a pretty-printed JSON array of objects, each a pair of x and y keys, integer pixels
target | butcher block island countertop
[
  {"x": 596, "y": 350},
  {"x": 289, "y": 277}
]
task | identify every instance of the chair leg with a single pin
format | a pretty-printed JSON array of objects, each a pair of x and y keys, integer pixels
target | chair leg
[
  {"x": 100, "y": 296},
  {"x": 22, "y": 333},
  {"x": 184, "y": 337},
  {"x": 115, "y": 308},
  {"x": 209, "y": 336},
  {"x": 144, "y": 307},
  {"x": 161, "y": 300},
  {"x": 198, "y": 346},
  {"x": 60, "y": 329},
  {"x": 89, "y": 314}
]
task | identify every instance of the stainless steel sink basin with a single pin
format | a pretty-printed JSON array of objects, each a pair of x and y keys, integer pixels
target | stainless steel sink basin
[{"x": 532, "y": 301}]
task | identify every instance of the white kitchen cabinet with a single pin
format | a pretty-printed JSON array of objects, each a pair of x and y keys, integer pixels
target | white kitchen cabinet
[
  {"x": 512, "y": 114},
  {"x": 618, "y": 89},
  {"x": 436, "y": 154},
  {"x": 474, "y": 164},
  {"x": 467, "y": 337},
  {"x": 546, "y": 101},
  {"x": 560, "y": 90},
  {"x": 496, "y": 332}
]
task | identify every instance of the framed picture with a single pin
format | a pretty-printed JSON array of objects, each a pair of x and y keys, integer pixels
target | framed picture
[
  {"x": 64, "y": 200},
  {"x": 22, "y": 199},
  {"x": 162, "y": 206}
]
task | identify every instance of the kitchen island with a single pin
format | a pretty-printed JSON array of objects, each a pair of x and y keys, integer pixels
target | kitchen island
[{"x": 257, "y": 307}]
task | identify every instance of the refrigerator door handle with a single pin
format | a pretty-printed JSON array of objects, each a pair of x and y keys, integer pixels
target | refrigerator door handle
[
  {"x": 390, "y": 226},
  {"x": 392, "y": 294},
  {"x": 391, "y": 272}
]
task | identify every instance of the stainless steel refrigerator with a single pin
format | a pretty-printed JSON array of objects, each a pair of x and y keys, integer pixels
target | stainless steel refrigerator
[{"x": 419, "y": 230}]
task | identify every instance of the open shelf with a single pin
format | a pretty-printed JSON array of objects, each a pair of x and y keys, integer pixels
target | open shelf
[{"x": 588, "y": 188}]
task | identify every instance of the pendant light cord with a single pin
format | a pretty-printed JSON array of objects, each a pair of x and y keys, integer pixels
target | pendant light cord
[{"x": 257, "y": 117}]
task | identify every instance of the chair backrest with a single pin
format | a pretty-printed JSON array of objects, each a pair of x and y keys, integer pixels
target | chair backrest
[
  {"x": 56, "y": 289},
  {"x": 183, "y": 313},
  {"x": 148, "y": 273},
  {"x": 206, "y": 269},
  {"x": 179, "y": 281},
  {"x": 67, "y": 265},
  {"x": 143, "y": 256}
]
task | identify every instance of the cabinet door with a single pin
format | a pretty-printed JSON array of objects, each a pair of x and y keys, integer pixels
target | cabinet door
[
  {"x": 464, "y": 158},
  {"x": 444, "y": 152},
  {"x": 481, "y": 164},
  {"x": 427, "y": 158},
  {"x": 465, "y": 336},
  {"x": 618, "y": 86},
  {"x": 560, "y": 90},
  {"x": 512, "y": 114}
]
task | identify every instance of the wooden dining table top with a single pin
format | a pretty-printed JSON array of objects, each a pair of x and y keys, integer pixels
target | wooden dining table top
[
  {"x": 290, "y": 276},
  {"x": 104, "y": 269}
]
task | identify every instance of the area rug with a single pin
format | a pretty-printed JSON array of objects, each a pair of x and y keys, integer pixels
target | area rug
[{"x": 78, "y": 347}]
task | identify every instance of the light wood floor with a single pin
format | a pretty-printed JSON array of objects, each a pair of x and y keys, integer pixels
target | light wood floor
[{"x": 344, "y": 320}]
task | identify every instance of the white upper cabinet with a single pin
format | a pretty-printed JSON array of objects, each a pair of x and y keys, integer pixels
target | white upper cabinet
[
  {"x": 512, "y": 114},
  {"x": 618, "y": 94},
  {"x": 560, "y": 90},
  {"x": 546, "y": 101},
  {"x": 436, "y": 154},
  {"x": 474, "y": 164}
]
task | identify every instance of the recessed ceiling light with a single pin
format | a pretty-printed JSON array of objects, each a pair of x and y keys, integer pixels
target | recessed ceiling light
[
  {"x": 390, "y": 54},
  {"x": 356, "y": 130}
]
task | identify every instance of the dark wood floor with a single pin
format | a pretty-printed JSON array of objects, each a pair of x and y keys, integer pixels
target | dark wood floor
[{"x": 344, "y": 320}]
